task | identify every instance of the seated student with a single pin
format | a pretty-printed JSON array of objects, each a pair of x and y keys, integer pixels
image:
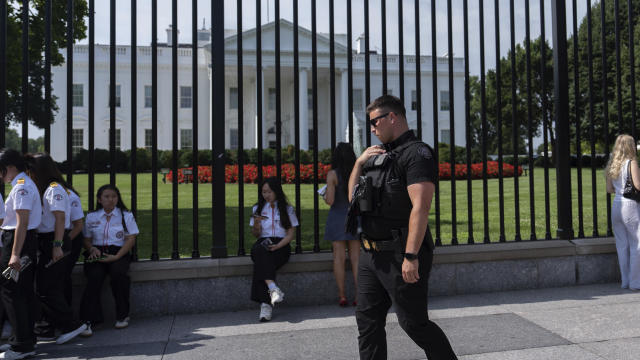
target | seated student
[
  {"x": 273, "y": 223},
  {"x": 53, "y": 246},
  {"x": 109, "y": 234}
]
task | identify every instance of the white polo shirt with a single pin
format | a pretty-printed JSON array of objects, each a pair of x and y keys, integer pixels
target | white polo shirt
[
  {"x": 2, "y": 213},
  {"x": 24, "y": 195},
  {"x": 55, "y": 198},
  {"x": 76, "y": 207},
  {"x": 271, "y": 227},
  {"x": 106, "y": 229}
]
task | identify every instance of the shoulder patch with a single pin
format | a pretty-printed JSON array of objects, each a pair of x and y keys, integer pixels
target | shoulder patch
[
  {"x": 53, "y": 184},
  {"x": 20, "y": 181}
]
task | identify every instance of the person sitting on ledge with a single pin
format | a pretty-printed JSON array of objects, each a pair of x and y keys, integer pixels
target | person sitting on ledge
[
  {"x": 273, "y": 222},
  {"x": 109, "y": 235}
]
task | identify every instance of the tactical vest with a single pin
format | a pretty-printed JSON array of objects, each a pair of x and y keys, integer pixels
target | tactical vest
[{"x": 391, "y": 206}]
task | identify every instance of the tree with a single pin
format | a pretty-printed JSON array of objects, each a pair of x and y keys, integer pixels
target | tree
[
  {"x": 614, "y": 119},
  {"x": 36, "y": 109},
  {"x": 538, "y": 99}
]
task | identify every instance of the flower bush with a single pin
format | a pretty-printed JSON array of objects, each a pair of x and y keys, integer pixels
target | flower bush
[
  {"x": 250, "y": 174},
  {"x": 476, "y": 170}
]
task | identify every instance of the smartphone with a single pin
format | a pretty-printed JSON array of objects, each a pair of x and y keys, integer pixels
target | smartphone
[{"x": 261, "y": 217}]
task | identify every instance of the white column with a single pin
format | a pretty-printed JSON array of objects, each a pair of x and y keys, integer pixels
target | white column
[
  {"x": 304, "y": 112},
  {"x": 344, "y": 107}
]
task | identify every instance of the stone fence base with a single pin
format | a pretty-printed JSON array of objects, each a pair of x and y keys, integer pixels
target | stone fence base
[{"x": 211, "y": 285}]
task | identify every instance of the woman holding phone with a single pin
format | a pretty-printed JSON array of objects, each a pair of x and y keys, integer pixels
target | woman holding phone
[
  {"x": 109, "y": 235},
  {"x": 273, "y": 222}
]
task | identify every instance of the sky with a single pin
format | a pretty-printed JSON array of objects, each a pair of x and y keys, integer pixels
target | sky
[{"x": 123, "y": 23}]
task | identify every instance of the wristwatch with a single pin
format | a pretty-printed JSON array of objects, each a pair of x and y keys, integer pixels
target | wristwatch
[
  {"x": 410, "y": 256},
  {"x": 57, "y": 243}
]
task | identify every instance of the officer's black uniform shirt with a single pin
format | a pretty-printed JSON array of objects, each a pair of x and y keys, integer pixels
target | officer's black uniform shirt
[{"x": 413, "y": 165}]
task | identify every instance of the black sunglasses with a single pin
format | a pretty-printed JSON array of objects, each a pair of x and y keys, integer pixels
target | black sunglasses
[{"x": 374, "y": 122}]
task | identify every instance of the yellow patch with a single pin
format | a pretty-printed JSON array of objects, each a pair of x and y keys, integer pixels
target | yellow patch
[
  {"x": 20, "y": 181},
  {"x": 53, "y": 184}
]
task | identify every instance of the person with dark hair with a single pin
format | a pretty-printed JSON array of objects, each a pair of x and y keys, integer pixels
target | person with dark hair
[
  {"x": 53, "y": 245},
  {"x": 75, "y": 235},
  {"x": 391, "y": 186},
  {"x": 109, "y": 235},
  {"x": 273, "y": 222},
  {"x": 19, "y": 241},
  {"x": 336, "y": 196}
]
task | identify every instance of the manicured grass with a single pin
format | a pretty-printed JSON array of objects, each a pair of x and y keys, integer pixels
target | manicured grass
[{"x": 185, "y": 212}]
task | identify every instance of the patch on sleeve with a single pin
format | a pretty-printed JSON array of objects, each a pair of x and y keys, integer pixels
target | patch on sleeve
[
  {"x": 57, "y": 197},
  {"x": 23, "y": 192},
  {"x": 75, "y": 204},
  {"x": 120, "y": 235},
  {"x": 424, "y": 152},
  {"x": 20, "y": 181}
]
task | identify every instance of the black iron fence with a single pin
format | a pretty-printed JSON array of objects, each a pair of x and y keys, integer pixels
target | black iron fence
[{"x": 551, "y": 89}]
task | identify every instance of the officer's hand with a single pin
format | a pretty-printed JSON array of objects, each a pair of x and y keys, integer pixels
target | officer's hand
[
  {"x": 410, "y": 271},
  {"x": 369, "y": 152}
]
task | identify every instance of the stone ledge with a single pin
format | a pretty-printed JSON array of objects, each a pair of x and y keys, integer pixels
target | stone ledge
[
  {"x": 503, "y": 251},
  {"x": 604, "y": 245}
]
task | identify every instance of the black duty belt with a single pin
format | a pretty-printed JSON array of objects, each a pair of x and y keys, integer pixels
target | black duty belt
[{"x": 377, "y": 245}]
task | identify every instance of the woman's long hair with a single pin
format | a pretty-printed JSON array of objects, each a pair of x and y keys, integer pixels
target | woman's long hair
[
  {"x": 43, "y": 171},
  {"x": 342, "y": 161},
  {"x": 624, "y": 149},
  {"x": 281, "y": 198}
]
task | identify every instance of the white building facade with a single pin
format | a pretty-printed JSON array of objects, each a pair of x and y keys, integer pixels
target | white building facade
[{"x": 185, "y": 92}]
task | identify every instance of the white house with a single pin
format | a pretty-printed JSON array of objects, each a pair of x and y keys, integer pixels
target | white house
[{"x": 268, "y": 91}]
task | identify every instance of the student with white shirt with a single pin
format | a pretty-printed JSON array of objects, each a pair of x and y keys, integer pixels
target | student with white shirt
[
  {"x": 23, "y": 210},
  {"x": 109, "y": 235},
  {"x": 54, "y": 247},
  {"x": 273, "y": 223}
]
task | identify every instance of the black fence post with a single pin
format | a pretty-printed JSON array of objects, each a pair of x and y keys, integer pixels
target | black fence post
[
  {"x": 219, "y": 245},
  {"x": 561, "y": 95}
]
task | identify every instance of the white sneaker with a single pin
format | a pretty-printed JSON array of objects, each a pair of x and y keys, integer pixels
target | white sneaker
[
  {"x": 276, "y": 295},
  {"x": 87, "y": 332},
  {"x": 265, "y": 312},
  {"x": 4, "y": 347},
  {"x": 10, "y": 354},
  {"x": 71, "y": 334},
  {"x": 121, "y": 324}
]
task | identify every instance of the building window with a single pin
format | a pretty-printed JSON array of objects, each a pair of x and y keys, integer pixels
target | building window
[
  {"x": 148, "y": 96},
  {"x": 233, "y": 98},
  {"x": 77, "y": 140},
  {"x": 272, "y": 99},
  {"x": 357, "y": 100},
  {"x": 185, "y": 96},
  {"x": 445, "y": 136},
  {"x": 311, "y": 139},
  {"x": 117, "y": 131},
  {"x": 148, "y": 139},
  {"x": 414, "y": 100},
  {"x": 444, "y": 101},
  {"x": 310, "y": 99},
  {"x": 186, "y": 139},
  {"x": 233, "y": 138},
  {"x": 117, "y": 97},
  {"x": 78, "y": 95}
]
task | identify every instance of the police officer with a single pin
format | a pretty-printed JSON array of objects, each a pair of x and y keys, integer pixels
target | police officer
[{"x": 394, "y": 184}]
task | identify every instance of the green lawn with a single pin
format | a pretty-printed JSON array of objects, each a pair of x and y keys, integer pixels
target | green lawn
[{"x": 185, "y": 205}]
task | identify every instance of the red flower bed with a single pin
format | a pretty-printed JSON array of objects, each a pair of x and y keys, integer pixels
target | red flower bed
[
  {"x": 476, "y": 170},
  {"x": 306, "y": 172},
  {"x": 251, "y": 173}
]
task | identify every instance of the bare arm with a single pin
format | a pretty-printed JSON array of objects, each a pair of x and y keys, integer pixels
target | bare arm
[
  {"x": 420, "y": 195},
  {"x": 129, "y": 241},
  {"x": 635, "y": 174},
  {"x": 357, "y": 167},
  {"x": 76, "y": 229},
  {"x": 19, "y": 237},
  {"x": 332, "y": 182},
  {"x": 610, "y": 188},
  {"x": 58, "y": 234},
  {"x": 291, "y": 233}
]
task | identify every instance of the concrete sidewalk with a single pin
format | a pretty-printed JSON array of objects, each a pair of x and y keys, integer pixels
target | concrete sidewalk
[{"x": 583, "y": 322}]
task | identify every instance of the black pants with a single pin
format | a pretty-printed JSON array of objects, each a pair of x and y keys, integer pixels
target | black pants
[
  {"x": 379, "y": 283},
  {"x": 118, "y": 271},
  {"x": 76, "y": 248},
  {"x": 18, "y": 298},
  {"x": 265, "y": 264},
  {"x": 50, "y": 285}
]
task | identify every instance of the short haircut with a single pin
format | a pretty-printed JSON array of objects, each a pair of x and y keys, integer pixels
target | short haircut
[
  {"x": 388, "y": 103},
  {"x": 10, "y": 157}
]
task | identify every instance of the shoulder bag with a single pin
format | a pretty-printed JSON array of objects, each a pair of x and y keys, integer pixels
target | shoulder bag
[{"x": 630, "y": 191}]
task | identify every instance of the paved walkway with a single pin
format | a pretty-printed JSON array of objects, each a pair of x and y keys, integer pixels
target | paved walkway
[{"x": 585, "y": 323}]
